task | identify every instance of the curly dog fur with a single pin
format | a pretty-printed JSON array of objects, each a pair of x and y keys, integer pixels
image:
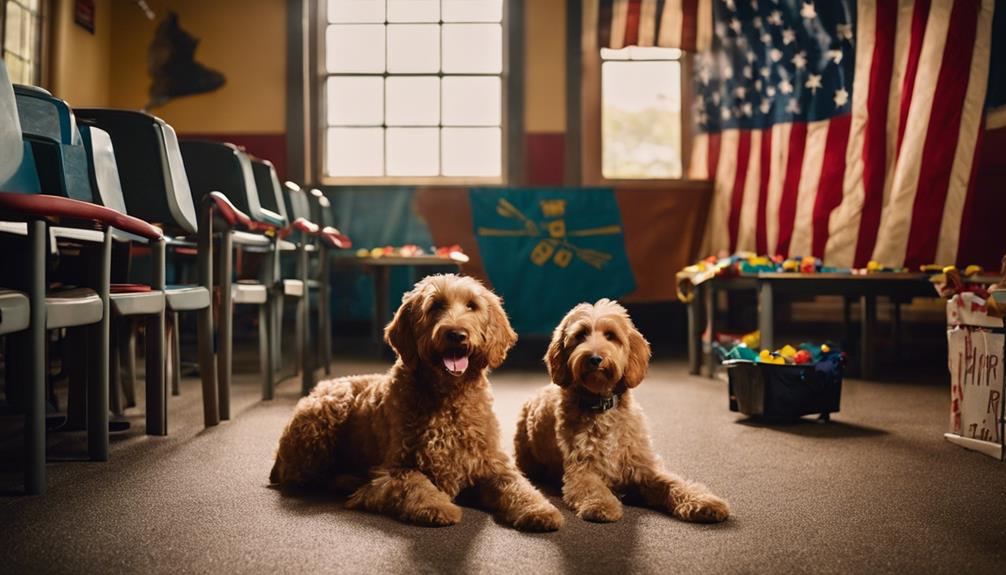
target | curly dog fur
[
  {"x": 409, "y": 441},
  {"x": 596, "y": 352}
]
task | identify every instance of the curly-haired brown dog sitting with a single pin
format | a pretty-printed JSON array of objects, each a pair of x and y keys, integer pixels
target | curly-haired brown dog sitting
[
  {"x": 590, "y": 432},
  {"x": 425, "y": 430}
]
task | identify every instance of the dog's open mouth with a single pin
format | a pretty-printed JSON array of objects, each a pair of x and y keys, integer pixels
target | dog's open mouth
[{"x": 456, "y": 361}]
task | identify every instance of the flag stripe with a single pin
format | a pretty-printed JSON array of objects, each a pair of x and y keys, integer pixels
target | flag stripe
[
  {"x": 669, "y": 24},
  {"x": 761, "y": 239},
  {"x": 920, "y": 19},
  {"x": 632, "y": 21},
  {"x": 965, "y": 157},
  {"x": 714, "y": 154},
  {"x": 829, "y": 192},
  {"x": 779, "y": 158},
  {"x": 749, "y": 205},
  {"x": 723, "y": 190},
  {"x": 944, "y": 131},
  {"x": 813, "y": 161},
  {"x": 737, "y": 197},
  {"x": 875, "y": 144},
  {"x": 790, "y": 187}
]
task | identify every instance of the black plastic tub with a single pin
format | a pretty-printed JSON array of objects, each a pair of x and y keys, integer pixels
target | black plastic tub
[{"x": 784, "y": 391}]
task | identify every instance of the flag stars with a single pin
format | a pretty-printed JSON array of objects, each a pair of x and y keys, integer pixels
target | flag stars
[
  {"x": 765, "y": 106},
  {"x": 793, "y": 107},
  {"x": 785, "y": 87},
  {"x": 757, "y": 22},
  {"x": 735, "y": 25},
  {"x": 765, "y": 71},
  {"x": 748, "y": 73},
  {"x": 841, "y": 97},
  {"x": 751, "y": 58},
  {"x": 813, "y": 83},
  {"x": 808, "y": 11},
  {"x": 725, "y": 113},
  {"x": 731, "y": 5},
  {"x": 770, "y": 91},
  {"x": 728, "y": 72},
  {"x": 740, "y": 92},
  {"x": 704, "y": 75},
  {"x": 747, "y": 109},
  {"x": 766, "y": 38},
  {"x": 788, "y": 36},
  {"x": 845, "y": 31},
  {"x": 758, "y": 84},
  {"x": 800, "y": 60},
  {"x": 834, "y": 55},
  {"x": 775, "y": 54},
  {"x": 775, "y": 18}
]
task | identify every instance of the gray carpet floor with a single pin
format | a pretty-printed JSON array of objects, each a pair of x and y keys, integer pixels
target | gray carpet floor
[{"x": 876, "y": 490}]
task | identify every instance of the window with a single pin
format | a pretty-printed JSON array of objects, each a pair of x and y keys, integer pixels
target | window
[
  {"x": 414, "y": 90},
  {"x": 641, "y": 113},
  {"x": 21, "y": 31}
]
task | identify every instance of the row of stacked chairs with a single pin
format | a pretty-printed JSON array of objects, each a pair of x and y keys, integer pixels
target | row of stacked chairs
[{"x": 84, "y": 193}]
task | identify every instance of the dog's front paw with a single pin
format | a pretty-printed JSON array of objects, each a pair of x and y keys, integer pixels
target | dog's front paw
[
  {"x": 435, "y": 515},
  {"x": 705, "y": 508},
  {"x": 603, "y": 511},
  {"x": 544, "y": 517}
]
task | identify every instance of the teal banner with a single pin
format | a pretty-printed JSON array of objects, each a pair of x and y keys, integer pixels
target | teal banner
[{"x": 547, "y": 249}]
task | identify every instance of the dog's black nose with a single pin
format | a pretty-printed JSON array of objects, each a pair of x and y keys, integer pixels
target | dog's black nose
[
  {"x": 457, "y": 336},
  {"x": 595, "y": 360}
]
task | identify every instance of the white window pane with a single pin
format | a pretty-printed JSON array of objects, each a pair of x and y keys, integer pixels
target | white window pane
[
  {"x": 355, "y": 11},
  {"x": 355, "y": 101},
  {"x": 355, "y": 48},
  {"x": 413, "y": 101},
  {"x": 15, "y": 23},
  {"x": 413, "y": 48},
  {"x": 472, "y": 101},
  {"x": 473, "y": 48},
  {"x": 472, "y": 151},
  {"x": 641, "y": 119},
  {"x": 473, "y": 10},
  {"x": 355, "y": 152},
  {"x": 413, "y": 10},
  {"x": 413, "y": 151}
]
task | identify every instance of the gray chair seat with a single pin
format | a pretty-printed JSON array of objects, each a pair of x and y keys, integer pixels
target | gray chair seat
[
  {"x": 249, "y": 239},
  {"x": 249, "y": 293},
  {"x": 72, "y": 307},
  {"x": 137, "y": 303},
  {"x": 187, "y": 298},
  {"x": 13, "y": 311}
]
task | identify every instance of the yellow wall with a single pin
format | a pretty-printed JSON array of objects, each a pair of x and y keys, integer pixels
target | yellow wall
[
  {"x": 80, "y": 60},
  {"x": 243, "y": 39},
  {"x": 545, "y": 65}
]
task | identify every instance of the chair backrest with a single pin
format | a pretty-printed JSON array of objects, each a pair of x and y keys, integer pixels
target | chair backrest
[
  {"x": 297, "y": 203},
  {"x": 48, "y": 124},
  {"x": 270, "y": 191},
  {"x": 221, "y": 167},
  {"x": 151, "y": 171},
  {"x": 103, "y": 170},
  {"x": 321, "y": 208}
]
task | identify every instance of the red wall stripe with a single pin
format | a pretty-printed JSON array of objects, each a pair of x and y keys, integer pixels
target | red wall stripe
[
  {"x": 544, "y": 160},
  {"x": 875, "y": 143},
  {"x": 791, "y": 186},
  {"x": 737, "y": 198},
  {"x": 829, "y": 191},
  {"x": 713, "y": 159},
  {"x": 941, "y": 138},
  {"x": 761, "y": 235},
  {"x": 632, "y": 23}
]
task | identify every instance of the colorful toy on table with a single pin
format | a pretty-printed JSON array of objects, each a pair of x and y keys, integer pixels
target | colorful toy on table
[
  {"x": 407, "y": 251},
  {"x": 950, "y": 281}
]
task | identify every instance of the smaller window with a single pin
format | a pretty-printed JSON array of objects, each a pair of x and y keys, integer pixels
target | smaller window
[
  {"x": 641, "y": 113},
  {"x": 22, "y": 39}
]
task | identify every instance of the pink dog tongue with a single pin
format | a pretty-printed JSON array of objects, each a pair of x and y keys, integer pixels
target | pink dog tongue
[{"x": 456, "y": 364}]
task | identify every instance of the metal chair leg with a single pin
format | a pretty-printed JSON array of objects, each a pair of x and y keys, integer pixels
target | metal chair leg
[
  {"x": 157, "y": 400},
  {"x": 207, "y": 368},
  {"x": 97, "y": 377},
  {"x": 116, "y": 349},
  {"x": 34, "y": 434},
  {"x": 225, "y": 317},
  {"x": 304, "y": 326},
  {"x": 175, "y": 361},
  {"x": 129, "y": 351}
]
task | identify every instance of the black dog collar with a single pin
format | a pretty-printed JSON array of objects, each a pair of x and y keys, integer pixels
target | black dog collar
[{"x": 598, "y": 403}]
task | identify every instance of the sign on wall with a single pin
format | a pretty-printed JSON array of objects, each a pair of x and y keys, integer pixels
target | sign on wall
[{"x": 83, "y": 14}]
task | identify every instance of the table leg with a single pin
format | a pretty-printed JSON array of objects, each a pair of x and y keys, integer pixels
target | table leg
[
  {"x": 868, "y": 303},
  {"x": 694, "y": 334},
  {"x": 710, "y": 297},
  {"x": 896, "y": 321},
  {"x": 766, "y": 315}
]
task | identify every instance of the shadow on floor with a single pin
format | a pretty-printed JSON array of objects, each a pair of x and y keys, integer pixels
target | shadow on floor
[{"x": 814, "y": 428}]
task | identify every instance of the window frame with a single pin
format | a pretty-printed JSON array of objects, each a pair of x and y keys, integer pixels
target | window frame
[
  {"x": 319, "y": 113},
  {"x": 41, "y": 68},
  {"x": 591, "y": 139}
]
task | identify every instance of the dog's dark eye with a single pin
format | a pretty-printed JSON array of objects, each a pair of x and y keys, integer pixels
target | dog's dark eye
[
  {"x": 472, "y": 306},
  {"x": 610, "y": 336},
  {"x": 437, "y": 305},
  {"x": 581, "y": 335}
]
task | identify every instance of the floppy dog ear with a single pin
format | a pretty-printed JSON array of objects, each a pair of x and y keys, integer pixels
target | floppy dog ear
[
  {"x": 500, "y": 337},
  {"x": 639, "y": 358},
  {"x": 399, "y": 334},
  {"x": 555, "y": 357}
]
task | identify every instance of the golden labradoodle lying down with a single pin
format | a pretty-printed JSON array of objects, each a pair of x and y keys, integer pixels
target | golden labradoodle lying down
[
  {"x": 588, "y": 431},
  {"x": 425, "y": 430}
]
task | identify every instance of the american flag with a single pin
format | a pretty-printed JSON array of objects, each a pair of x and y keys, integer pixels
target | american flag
[{"x": 849, "y": 130}]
